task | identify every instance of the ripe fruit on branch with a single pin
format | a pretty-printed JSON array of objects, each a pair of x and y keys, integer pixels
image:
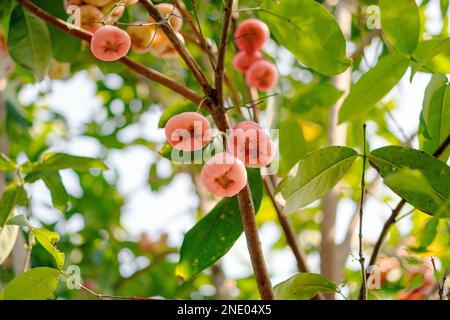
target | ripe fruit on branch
[
  {"x": 243, "y": 60},
  {"x": 188, "y": 131},
  {"x": 224, "y": 175},
  {"x": 251, "y": 35},
  {"x": 110, "y": 43},
  {"x": 90, "y": 16},
  {"x": 251, "y": 144},
  {"x": 262, "y": 75},
  {"x": 170, "y": 12}
]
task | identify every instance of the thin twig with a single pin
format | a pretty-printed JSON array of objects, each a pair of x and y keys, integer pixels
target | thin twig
[
  {"x": 361, "y": 214},
  {"x": 177, "y": 44},
  {"x": 222, "y": 51},
  {"x": 200, "y": 41}
]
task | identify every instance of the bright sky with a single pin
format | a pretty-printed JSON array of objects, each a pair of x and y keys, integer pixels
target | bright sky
[{"x": 172, "y": 210}]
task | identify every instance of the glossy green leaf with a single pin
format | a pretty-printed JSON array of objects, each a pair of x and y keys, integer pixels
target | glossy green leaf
[
  {"x": 309, "y": 31},
  {"x": 60, "y": 161},
  {"x": 389, "y": 160},
  {"x": 48, "y": 240},
  {"x": 303, "y": 286},
  {"x": 373, "y": 86},
  {"x": 438, "y": 64},
  {"x": 429, "y": 233},
  {"x": 6, "y": 164},
  {"x": 29, "y": 42},
  {"x": 435, "y": 125},
  {"x": 212, "y": 237},
  {"x": 8, "y": 236},
  {"x": 437, "y": 49},
  {"x": 8, "y": 202},
  {"x": 313, "y": 176},
  {"x": 290, "y": 130},
  {"x": 53, "y": 181},
  {"x": 35, "y": 284},
  {"x": 400, "y": 20},
  {"x": 316, "y": 96}
]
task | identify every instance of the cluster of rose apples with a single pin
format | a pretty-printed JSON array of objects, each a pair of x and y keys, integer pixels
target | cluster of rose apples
[
  {"x": 250, "y": 36},
  {"x": 93, "y": 11},
  {"x": 110, "y": 43},
  {"x": 224, "y": 175}
]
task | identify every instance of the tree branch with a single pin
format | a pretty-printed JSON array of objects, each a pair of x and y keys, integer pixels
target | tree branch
[
  {"x": 178, "y": 45},
  {"x": 135, "y": 66},
  {"x": 361, "y": 214},
  {"x": 396, "y": 211},
  {"x": 222, "y": 51}
]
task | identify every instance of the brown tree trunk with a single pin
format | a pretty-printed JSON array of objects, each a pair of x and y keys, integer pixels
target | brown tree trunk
[{"x": 336, "y": 136}]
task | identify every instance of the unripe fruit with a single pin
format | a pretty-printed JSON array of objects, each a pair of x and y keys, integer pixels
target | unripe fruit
[
  {"x": 251, "y": 35},
  {"x": 262, "y": 75},
  {"x": 89, "y": 15},
  {"x": 243, "y": 60},
  {"x": 97, "y": 3},
  {"x": 110, "y": 43},
  {"x": 169, "y": 11},
  {"x": 224, "y": 175},
  {"x": 251, "y": 144},
  {"x": 188, "y": 131},
  {"x": 141, "y": 38},
  {"x": 163, "y": 48},
  {"x": 116, "y": 14}
]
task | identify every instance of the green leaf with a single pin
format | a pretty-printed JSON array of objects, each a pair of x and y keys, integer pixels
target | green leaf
[
  {"x": 439, "y": 63},
  {"x": 212, "y": 237},
  {"x": 435, "y": 127},
  {"x": 303, "y": 286},
  {"x": 316, "y": 96},
  {"x": 8, "y": 202},
  {"x": 373, "y": 86},
  {"x": 6, "y": 164},
  {"x": 309, "y": 31},
  {"x": 313, "y": 176},
  {"x": 438, "y": 48},
  {"x": 29, "y": 42},
  {"x": 429, "y": 233},
  {"x": 36, "y": 284},
  {"x": 389, "y": 160},
  {"x": 48, "y": 240},
  {"x": 8, "y": 236},
  {"x": 174, "y": 109},
  {"x": 53, "y": 181},
  {"x": 290, "y": 130},
  {"x": 61, "y": 161},
  {"x": 401, "y": 24},
  {"x": 19, "y": 220}
]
